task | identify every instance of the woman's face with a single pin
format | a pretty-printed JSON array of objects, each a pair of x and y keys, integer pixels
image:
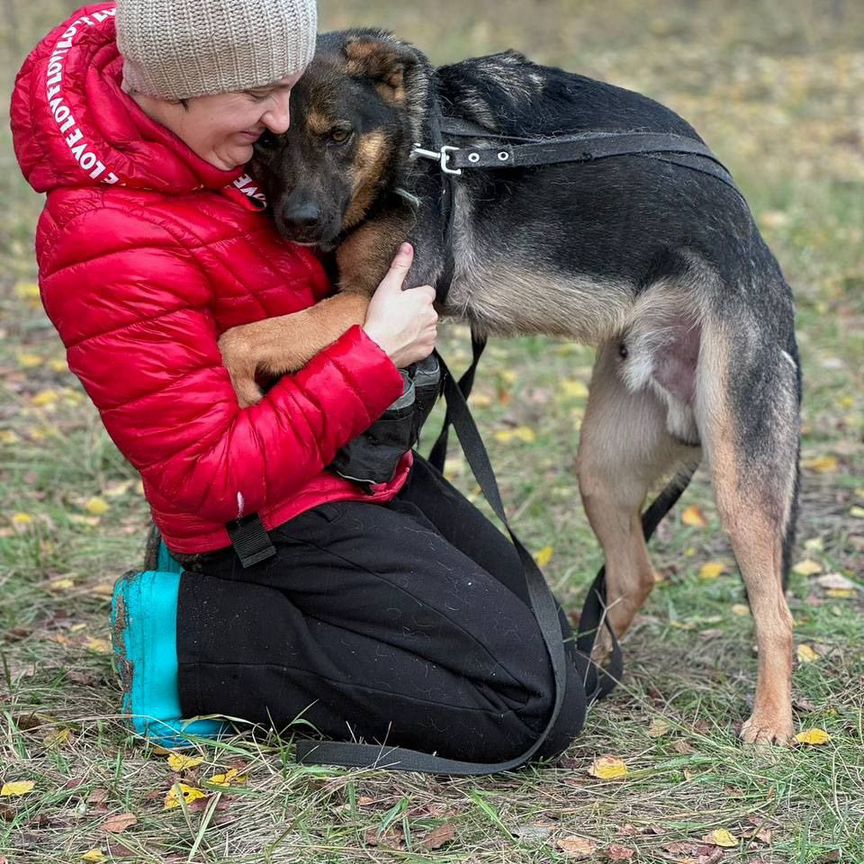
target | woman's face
[{"x": 223, "y": 128}]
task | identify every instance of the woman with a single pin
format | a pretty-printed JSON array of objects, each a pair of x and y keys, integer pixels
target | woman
[{"x": 396, "y": 612}]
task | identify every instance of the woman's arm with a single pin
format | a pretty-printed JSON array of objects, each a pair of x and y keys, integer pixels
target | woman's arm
[{"x": 136, "y": 323}]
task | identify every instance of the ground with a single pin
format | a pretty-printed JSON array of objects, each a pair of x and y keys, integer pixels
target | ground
[{"x": 776, "y": 89}]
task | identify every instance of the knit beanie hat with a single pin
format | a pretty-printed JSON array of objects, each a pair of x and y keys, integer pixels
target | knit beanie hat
[{"x": 177, "y": 49}]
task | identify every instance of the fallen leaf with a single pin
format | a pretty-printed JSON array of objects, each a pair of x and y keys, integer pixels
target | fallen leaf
[
  {"x": 658, "y": 728},
  {"x": 94, "y": 856},
  {"x": 722, "y": 837},
  {"x": 856, "y": 512},
  {"x": 821, "y": 464},
  {"x": 711, "y": 570},
  {"x": 229, "y": 778},
  {"x": 438, "y": 837},
  {"x": 694, "y": 517},
  {"x": 525, "y": 434},
  {"x": 840, "y": 593},
  {"x": 813, "y": 737},
  {"x": 807, "y": 567},
  {"x": 180, "y": 763},
  {"x": 17, "y": 788},
  {"x": 544, "y": 556},
  {"x": 742, "y": 610},
  {"x": 608, "y": 768},
  {"x": 97, "y": 506},
  {"x": 574, "y": 389},
  {"x": 806, "y": 654},
  {"x": 59, "y": 738},
  {"x": 576, "y": 847},
  {"x": 98, "y": 646},
  {"x": 836, "y": 581},
  {"x": 620, "y": 853},
  {"x": 181, "y": 790},
  {"x": 118, "y": 824}
]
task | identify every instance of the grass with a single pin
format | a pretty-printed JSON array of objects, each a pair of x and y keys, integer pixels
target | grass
[{"x": 776, "y": 88}]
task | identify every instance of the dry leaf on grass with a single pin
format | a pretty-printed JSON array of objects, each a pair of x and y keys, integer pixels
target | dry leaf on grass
[
  {"x": 544, "y": 556},
  {"x": 608, "y": 768},
  {"x": 711, "y": 570},
  {"x": 118, "y": 824},
  {"x": 179, "y": 763},
  {"x": 822, "y": 464},
  {"x": 658, "y": 728},
  {"x": 837, "y": 582},
  {"x": 806, "y": 654},
  {"x": 723, "y": 838},
  {"x": 232, "y": 777},
  {"x": 813, "y": 737},
  {"x": 17, "y": 788},
  {"x": 438, "y": 837},
  {"x": 181, "y": 790},
  {"x": 807, "y": 567},
  {"x": 94, "y": 856},
  {"x": 577, "y": 847},
  {"x": 620, "y": 853}
]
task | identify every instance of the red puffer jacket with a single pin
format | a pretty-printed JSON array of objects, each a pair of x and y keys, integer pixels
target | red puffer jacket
[{"x": 146, "y": 255}]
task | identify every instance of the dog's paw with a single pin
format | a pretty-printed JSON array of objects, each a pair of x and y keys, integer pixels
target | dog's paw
[{"x": 767, "y": 727}]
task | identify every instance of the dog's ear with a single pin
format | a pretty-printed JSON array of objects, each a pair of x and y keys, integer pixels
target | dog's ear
[{"x": 383, "y": 59}]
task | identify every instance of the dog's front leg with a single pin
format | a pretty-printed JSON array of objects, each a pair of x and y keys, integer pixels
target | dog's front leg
[{"x": 286, "y": 343}]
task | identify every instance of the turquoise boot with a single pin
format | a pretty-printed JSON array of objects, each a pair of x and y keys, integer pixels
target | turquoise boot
[{"x": 144, "y": 633}]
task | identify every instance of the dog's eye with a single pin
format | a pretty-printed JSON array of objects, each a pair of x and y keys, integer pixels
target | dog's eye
[{"x": 340, "y": 135}]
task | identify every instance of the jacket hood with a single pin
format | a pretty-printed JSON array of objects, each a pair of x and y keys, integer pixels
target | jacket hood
[{"x": 72, "y": 124}]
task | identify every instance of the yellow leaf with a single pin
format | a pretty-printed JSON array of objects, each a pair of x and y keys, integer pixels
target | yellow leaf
[
  {"x": 574, "y": 389},
  {"x": 846, "y": 402},
  {"x": 181, "y": 790},
  {"x": 608, "y": 768},
  {"x": 27, "y": 290},
  {"x": 481, "y": 400},
  {"x": 856, "y": 512},
  {"x": 544, "y": 556},
  {"x": 807, "y": 567},
  {"x": 230, "y": 777},
  {"x": 814, "y": 544},
  {"x": 62, "y": 585},
  {"x": 821, "y": 464},
  {"x": 98, "y": 646},
  {"x": 722, "y": 837},
  {"x": 178, "y": 762},
  {"x": 813, "y": 737},
  {"x": 806, "y": 654},
  {"x": 7, "y": 436},
  {"x": 16, "y": 789},
  {"x": 59, "y": 366},
  {"x": 508, "y": 376},
  {"x": 44, "y": 398},
  {"x": 521, "y": 433},
  {"x": 96, "y": 506},
  {"x": 711, "y": 570},
  {"x": 30, "y": 361},
  {"x": 20, "y": 520},
  {"x": 59, "y": 738},
  {"x": 840, "y": 593},
  {"x": 94, "y": 856},
  {"x": 693, "y": 517},
  {"x": 742, "y": 610}
]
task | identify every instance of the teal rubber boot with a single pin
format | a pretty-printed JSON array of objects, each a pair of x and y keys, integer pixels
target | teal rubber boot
[{"x": 144, "y": 633}]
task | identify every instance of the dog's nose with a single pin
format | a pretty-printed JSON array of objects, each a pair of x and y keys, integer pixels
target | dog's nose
[{"x": 306, "y": 215}]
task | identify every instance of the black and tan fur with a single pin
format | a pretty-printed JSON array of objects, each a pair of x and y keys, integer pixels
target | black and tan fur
[{"x": 660, "y": 267}]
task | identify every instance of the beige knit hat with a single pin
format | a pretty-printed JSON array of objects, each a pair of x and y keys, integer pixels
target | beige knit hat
[{"x": 177, "y": 49}]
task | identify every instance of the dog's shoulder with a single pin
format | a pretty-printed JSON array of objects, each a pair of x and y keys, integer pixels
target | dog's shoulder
[{"x": 511, "y": 94}]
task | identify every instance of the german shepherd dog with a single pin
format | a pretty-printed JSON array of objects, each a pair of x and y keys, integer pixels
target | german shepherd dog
[{"x": 662, "y": 268}]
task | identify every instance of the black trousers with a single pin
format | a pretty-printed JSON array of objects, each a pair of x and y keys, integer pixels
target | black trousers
[{"x": 404, "y": 623}]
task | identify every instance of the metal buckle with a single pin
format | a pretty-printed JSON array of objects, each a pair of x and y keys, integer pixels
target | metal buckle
[{"x": 440, "y": 156}]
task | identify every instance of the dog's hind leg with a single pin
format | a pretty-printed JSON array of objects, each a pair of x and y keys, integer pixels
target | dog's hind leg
[
  {"x": 747, "y": 413},
  {"x": 625, "y": 448}
]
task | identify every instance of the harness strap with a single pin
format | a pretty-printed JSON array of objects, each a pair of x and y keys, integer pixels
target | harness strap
[{"x": 250, "y": 541}]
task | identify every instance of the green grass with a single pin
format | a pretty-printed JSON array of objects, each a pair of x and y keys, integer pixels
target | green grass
[{"x": 778, "y": 91}]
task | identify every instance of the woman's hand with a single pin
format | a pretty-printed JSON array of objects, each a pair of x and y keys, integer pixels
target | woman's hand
[{"x": 403, "y": 322}]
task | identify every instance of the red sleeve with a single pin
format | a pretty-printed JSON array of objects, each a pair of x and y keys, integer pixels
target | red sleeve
[{"x": 141, "y": 339}]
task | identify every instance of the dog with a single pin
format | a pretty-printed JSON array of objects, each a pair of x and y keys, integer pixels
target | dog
[{"x": 659, "y": 266}]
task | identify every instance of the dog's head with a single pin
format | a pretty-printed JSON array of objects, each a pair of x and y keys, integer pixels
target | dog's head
[{"x": 354, "y": 115}]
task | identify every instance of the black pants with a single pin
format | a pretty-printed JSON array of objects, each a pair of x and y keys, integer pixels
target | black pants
[{"x": 404, "y": 623}]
